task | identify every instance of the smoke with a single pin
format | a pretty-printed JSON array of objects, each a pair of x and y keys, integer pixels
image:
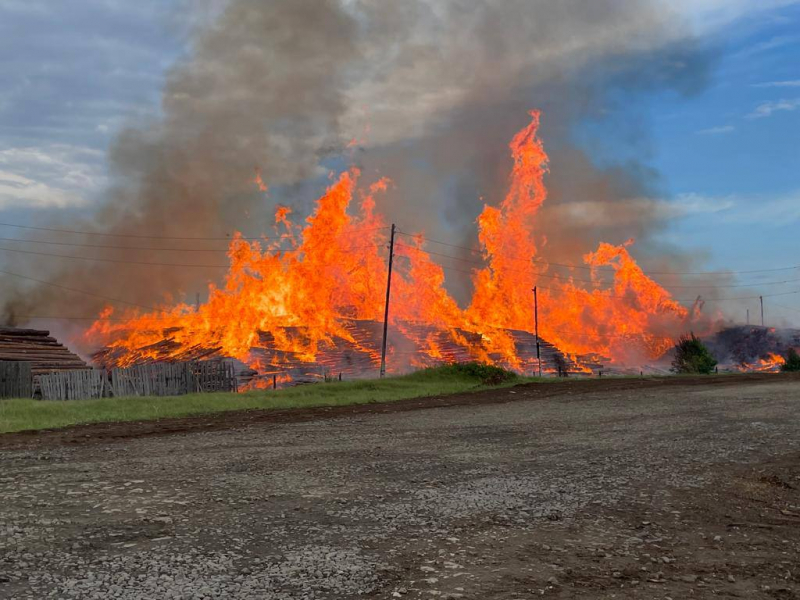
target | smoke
[{"x": 433, "y": 90}]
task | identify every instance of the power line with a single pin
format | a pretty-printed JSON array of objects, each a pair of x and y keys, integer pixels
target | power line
[
  {"x": 145, "y": 263},
  {"x": 105, "y": 246},
  {"x": 586, "y": 267},
  {"x": 572, "y": 334},
  {"x": 228, "y": 237},
  {"x": 675, "y": 299},
  {"x": 84, "y": 292},
  {"x": 785, "y": 307},
  {"x": 589, "y": 281},
  {"x": 140, "y": 263},
  {"x": 99, "y": 318},
  {"x": 113, "y": 260}
]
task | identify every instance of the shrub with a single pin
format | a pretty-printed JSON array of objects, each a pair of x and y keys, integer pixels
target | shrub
[
  {"x": 487, "y": 374},
  {"x": 792, "y": 363},
  {"x": 692, "y": 356}
]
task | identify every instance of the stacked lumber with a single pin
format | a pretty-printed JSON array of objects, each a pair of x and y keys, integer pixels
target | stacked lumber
[
  {"x": 37, "y": 347},
  {"x": 410, "y": 346}
]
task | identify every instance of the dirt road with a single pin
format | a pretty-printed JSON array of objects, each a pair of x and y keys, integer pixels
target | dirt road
[{"x": 628, "y": 489}]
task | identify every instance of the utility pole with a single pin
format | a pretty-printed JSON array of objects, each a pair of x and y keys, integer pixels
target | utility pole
[
  {"x": 748, "y": 316},
  {"x": 386, "y": 309},
  {"x": 761, "y": 299},
  {"x": 197, "y": 302},
  {"x": 536, "y": 325}
]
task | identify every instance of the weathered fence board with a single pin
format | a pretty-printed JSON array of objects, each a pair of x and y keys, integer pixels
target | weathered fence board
[
  {"x": 74, "y": 385},
  {"x": 173, "y": 379},
  {"x": 153, "y": 379},
  {"x": 16, "y": 379},
  {"x": 156, "y": 379},
  {"x": 215, "y": 376}
]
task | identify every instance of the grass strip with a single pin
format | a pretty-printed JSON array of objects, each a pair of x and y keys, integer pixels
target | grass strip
[{"x": 26, "y": 414}]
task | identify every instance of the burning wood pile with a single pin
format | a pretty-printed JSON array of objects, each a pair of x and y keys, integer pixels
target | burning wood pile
[
  {"x": 312, "y": 296},
  {"x": 752, "y": 348},
  {"x": 36, "y": 346},
  {"x": 410, "y": 346}
]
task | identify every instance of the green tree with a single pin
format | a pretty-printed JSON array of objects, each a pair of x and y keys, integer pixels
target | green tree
[
  {"x": 792, "y": 361},
  {"x": 692, "y": 356}
]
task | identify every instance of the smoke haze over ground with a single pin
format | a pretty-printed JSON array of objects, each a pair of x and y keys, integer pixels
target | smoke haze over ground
[{"x": 431, "y": 92}]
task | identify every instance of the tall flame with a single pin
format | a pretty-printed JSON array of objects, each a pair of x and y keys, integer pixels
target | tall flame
[{"x": 300, "y": 290}]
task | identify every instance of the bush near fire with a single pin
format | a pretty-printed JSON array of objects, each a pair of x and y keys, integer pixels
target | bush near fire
[{"x": 692, "y": 356}]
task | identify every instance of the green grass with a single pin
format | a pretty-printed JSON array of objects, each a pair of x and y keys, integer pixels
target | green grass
[{"x": 26, "y": 414}]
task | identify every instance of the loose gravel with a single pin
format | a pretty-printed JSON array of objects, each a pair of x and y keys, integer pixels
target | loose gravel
[{"x": 620, "y": 493}]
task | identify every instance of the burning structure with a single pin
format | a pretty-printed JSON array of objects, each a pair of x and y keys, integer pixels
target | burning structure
[
  {"x": 272, "y": 95},
  {"x": 315, "y": 294}
]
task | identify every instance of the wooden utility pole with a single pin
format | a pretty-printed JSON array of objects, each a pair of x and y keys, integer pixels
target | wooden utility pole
[
  {"x": 386, "y": 308},
  {"x": 761, "y": 299},
  {"x": 748, "y": 316},
  {"x": 536, "y": 325}
]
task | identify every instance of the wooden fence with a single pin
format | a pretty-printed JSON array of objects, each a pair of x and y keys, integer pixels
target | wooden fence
[
  {"x": 214, "y": 376},
  {"x": 155, "y": 379},
  {"x": 16, "y": 379},
  {"x": 74, "y": 385}
]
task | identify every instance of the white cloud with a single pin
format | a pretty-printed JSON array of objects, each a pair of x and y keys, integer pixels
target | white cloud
[
  {"x": 789, "y": 83},
  {"x": 765, "y": 46},
  {"x": 768, "y": 108},
  {"x": 712, "y": 15},
  {"x": 698, "y": 204},
  {"x": 717, "y": 130},
  {"x": 17, "y": 191},
  {"x": 591, "y": 213},
  {"x": 776, "y": 211},
  {"x": 58, "y": 176}
]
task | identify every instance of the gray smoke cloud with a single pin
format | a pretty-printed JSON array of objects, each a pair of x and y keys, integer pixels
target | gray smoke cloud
[{"x": 434, "y": 88}]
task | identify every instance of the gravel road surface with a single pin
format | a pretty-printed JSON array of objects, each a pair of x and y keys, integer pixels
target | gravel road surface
[{"x": 610, "y": 489}]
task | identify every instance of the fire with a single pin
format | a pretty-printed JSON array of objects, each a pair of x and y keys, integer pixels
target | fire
[
  {"x": 262, "y": 187},
  {"x": 772, "y": 363},
  {"x": 299, "y": 292},
  {"x": 634, "y": 314}
]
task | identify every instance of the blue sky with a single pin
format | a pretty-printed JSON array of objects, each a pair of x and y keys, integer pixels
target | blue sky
[
  {"x": 731, "y": 154},
  {"x": 73, "y": 73}
]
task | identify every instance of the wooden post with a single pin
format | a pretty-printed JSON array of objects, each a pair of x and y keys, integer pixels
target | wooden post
[
  {"x": 536, "y": 325},
  {"x": 386, "y": 308},
  {"x": 761, "y": 299},
  {"x": 274, "y": 382}
]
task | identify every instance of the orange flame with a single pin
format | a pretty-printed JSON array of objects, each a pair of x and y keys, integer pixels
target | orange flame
[
  {"x": 771, "y": 364},
  {"x": 300, "y": 291},
  {"x": 260, "y": 182}
]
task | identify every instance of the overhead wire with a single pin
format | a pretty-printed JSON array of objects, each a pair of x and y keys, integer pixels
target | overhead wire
[
  {"x": 797, "y": 310},
  {"x": 541, "y": 287},
  {"x": 587, "y": 267},
  {"x": 137, "y": 262},
  {"x": 75, "y": 290},
  {"x": 112, "y": 247},
  {"x": 228, "y": 237},
  {"x": 592, "y": 282}
]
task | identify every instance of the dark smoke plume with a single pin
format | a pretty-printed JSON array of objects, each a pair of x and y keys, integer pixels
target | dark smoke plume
[{"x": 434, "y": 88}]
